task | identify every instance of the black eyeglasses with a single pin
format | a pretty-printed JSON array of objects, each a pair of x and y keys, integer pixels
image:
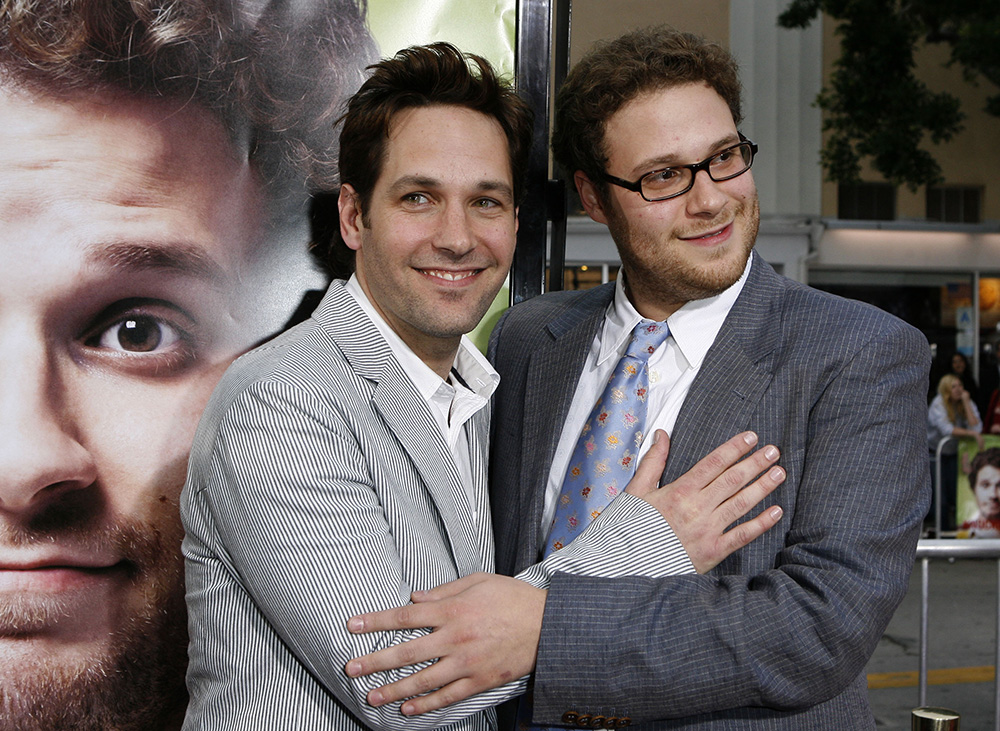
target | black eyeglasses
[{"x": 659, "y": 185}]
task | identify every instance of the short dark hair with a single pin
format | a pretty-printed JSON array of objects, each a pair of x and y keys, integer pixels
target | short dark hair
[
  {"x": 615, "y": 72},
  {"x": 987, "y": 458},
  {"x": 420, "y": 76},
  {"x": 243, "y": 66}
]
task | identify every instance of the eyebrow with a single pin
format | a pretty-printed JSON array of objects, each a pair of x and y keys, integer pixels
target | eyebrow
[
  {"x": 420, "y": 181},
  {"x": 669, "y": 160},
  {"x": 176, "y": 256}
]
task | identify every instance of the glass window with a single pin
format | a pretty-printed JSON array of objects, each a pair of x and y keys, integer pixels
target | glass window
[
  {"x": 954, "y": 204},
  {"x": 866, "y": 201}
]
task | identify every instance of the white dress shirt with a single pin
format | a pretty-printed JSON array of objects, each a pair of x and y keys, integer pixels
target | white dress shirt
[
  {"x": 672, "y": 368},
  {"x": 616, "y": 544}
]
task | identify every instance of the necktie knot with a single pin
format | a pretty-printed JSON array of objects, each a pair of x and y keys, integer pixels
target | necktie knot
[{"x": 646, "y": 337}]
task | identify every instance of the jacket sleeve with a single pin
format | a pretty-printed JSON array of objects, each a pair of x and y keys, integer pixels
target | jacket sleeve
[
  {"x": 799, "y": 627},
  {"x": 629, "y": 538}
]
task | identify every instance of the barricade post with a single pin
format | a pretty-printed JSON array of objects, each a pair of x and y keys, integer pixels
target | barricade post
[{"x": 970, "y": 548}]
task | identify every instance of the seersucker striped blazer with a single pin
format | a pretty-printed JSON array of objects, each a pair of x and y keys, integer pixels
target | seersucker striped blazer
[{"x": 319, "y": 487}]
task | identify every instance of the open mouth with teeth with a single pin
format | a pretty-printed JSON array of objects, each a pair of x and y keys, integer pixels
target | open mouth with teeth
[{"x": 451, "y": 276}]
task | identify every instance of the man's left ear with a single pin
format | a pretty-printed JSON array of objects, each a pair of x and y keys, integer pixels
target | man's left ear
[
  {"x": 517, "y": 221},
  {"x": 351, "y": 221}
]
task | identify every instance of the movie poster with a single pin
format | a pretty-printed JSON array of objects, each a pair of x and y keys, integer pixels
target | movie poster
[
  {"x": 978, "y": 486},
  {"x": 158, "y": 165}
]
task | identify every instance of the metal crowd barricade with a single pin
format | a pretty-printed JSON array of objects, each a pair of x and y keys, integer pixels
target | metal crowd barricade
[
  {"x": 948, "y": 548},
  {"x": 937, "y": 482}
]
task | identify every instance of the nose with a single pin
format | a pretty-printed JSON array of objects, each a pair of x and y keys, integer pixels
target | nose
[
  {"x": 41, "y": 458},
  {"x": 456, "y": 234},
  {"x": 706, "y": 198}
]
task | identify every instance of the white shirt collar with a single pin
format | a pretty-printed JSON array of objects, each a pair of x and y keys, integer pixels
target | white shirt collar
[
  {"x": 471, "y": 365},
  {"x": 693, "y": 327}
]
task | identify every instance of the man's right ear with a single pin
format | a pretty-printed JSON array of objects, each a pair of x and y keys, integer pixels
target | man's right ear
[
  {"x": 351, "y": 223},
  {"x": 589, "y": 197}
]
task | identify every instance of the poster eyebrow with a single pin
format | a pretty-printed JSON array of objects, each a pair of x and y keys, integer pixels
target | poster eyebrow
[{"x": 176, "y": 256}]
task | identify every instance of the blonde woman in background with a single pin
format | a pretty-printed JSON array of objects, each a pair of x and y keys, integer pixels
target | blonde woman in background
[{"x": 951, "y": 413}]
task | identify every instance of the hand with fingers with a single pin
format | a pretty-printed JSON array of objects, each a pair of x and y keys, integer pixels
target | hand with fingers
[
  {"x": 485, "y": 632},
  {"x": 719, "y": 490},
  {"x": 486, "y": 627}
]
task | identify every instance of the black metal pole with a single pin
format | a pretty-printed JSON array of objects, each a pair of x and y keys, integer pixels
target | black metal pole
[
  {"x": 534, "y": 32},
  {"x": 558, "y": 192}
]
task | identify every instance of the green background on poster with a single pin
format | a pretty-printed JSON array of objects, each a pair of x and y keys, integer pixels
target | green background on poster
[{"x": 486, "y": 27}]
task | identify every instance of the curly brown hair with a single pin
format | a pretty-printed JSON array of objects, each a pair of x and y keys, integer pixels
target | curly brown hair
[
  {"x": 614, "y": 72},
  {"x": 276, "y": 78}
]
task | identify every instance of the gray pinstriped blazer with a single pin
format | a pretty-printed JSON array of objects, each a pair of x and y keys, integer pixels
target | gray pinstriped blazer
[
  {"x": 777, "y": 636},
  {"x": 319, "y": 487}
]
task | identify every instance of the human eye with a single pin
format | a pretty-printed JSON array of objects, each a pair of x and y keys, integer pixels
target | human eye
[
  {"x": 665, "y": 176},
  {"x": 729, "y": 160},
  {"x": 415, "y": 199},
  {"x": 141, "y": 334},
  {"x": 486, "y": 204},
  {"x": 660, "y": 182}
]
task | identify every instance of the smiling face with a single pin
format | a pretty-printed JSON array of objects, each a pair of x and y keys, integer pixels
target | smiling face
[
  {"x": 987, "y": 489},
  {"x": 437, "y": 241},
  {"x": 685, "y": 248},
  {"x": 125, "y": 229}
]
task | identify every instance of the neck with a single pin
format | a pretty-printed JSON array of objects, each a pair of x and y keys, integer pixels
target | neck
[
  {"x": 438, "y": 359},
  {"x": 650, "y": 308}
]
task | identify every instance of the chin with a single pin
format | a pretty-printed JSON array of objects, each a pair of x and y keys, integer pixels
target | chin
[{"x": 129, "y": 686}]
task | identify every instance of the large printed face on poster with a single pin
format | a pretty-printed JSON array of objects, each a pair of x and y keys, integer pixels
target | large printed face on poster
[
  {"x": 978, "y": 486},
  {"x": 155, "y": 180}
]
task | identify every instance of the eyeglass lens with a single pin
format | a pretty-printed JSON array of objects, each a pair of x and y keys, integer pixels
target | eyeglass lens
[{"x": 727, "y": 164}]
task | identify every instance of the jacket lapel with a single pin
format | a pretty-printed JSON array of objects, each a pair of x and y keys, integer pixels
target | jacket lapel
[
  {"x": 478, "y": 430},
  {"x": 735, "y": 375},
  {"x": 557, "y": 364},
  {"x": 408, "y": 417}
]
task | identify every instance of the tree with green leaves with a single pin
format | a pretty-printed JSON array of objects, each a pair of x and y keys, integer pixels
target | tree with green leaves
[{"x": 876, "y": 107}]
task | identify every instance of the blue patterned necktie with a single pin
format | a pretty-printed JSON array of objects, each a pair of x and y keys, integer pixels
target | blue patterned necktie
[{"x": 604, "y": 459}]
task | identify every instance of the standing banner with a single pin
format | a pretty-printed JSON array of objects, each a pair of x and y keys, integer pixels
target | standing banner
[{"x": 158, "y": 165}]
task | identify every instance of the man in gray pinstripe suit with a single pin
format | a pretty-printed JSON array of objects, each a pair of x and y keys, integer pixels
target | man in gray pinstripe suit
[
  {"x": 342, "y": 466},
  {"x": 778, "y": 634}
]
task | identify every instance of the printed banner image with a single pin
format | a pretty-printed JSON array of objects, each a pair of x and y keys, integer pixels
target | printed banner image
[
  {"x": 160, "y": 162},
  {"x": 978, "y": 486}
]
